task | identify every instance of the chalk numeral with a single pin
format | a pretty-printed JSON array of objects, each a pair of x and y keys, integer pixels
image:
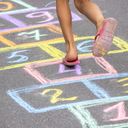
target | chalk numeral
[
  {"x": 8, "y": 5},
  {"x": 44, "y": 15},
  {"x": 33, "y": 34},
  {"x": 121, "y": 113},
  {"x": 19, "y": 58},
  {"x": 55, "y": 97},
  {"x": 77, "y": 69},
  {"x": 85, "y": 46}
]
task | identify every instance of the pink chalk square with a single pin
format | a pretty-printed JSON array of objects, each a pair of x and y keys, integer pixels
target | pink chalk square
[{"x": 56, "y": 71}]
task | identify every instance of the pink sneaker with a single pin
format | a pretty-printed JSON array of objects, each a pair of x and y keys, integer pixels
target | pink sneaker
[{"x": 104, "y": 37}]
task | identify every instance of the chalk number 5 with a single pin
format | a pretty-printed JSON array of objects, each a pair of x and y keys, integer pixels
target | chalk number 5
[
  {"x": 18, "y": 57},
  {"x": 56, "y": 96}
]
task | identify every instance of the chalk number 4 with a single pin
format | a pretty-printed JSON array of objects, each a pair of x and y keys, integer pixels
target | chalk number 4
[{"x": 56, "y": 96}]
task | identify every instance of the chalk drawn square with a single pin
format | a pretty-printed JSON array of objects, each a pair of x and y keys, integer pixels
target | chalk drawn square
[
  {"x": 110, "y": 117},
  {"x": 117, "y": 84},
  {"x": 34, "y": 35},
  {"x": 89, "y": 67},
  {"x": 30, "y": 98},
  {"x": 70, "y": 90},
  {"x": 42, "y": 16},
  {"x": 84, "y": 45},
  {"x": 11, "y": 57},
  {"x": 35, "y": 17},
  {"x": 96, "y": 95},
  {"x": 107, "y": 113},
  {"x": 93, "y": 116},
  {"x": 114, "y": 60}
]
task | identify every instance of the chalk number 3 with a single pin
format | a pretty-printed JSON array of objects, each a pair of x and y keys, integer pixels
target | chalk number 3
[{"x": 56, "y": 96}]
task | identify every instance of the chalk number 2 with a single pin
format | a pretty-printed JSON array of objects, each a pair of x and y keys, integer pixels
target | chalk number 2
[{"x": 56, "y": 96}]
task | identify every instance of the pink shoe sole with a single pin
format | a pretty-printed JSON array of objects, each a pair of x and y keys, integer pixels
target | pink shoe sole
[
  {"x": 71, "y": 63},
  {"x": 104, "y": 37}
]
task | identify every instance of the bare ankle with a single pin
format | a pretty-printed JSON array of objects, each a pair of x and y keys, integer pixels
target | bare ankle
[{"x": 99, "y": 24}]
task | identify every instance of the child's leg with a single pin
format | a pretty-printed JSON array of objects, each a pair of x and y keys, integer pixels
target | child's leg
[
  {"x": 105, "y": 27},
  {"x": 91, "y": 10},
  {"x": 64, "y": 16}
]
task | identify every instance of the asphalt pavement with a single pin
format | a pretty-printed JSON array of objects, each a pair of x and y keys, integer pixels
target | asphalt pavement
[{"x": 38, "y": 91}]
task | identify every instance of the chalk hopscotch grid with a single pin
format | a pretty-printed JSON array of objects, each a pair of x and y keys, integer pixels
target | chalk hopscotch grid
[
  {"x": 95, "y": 89},
  {"x": 21, "y": 24},
  {"x": 59, "y": 54},
  {"x": 83, "y": 114},
  {"x": 15, "y": 94}
]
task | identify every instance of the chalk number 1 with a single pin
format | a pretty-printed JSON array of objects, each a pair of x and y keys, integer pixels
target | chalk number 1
[{"x": 121, "y": 113}]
